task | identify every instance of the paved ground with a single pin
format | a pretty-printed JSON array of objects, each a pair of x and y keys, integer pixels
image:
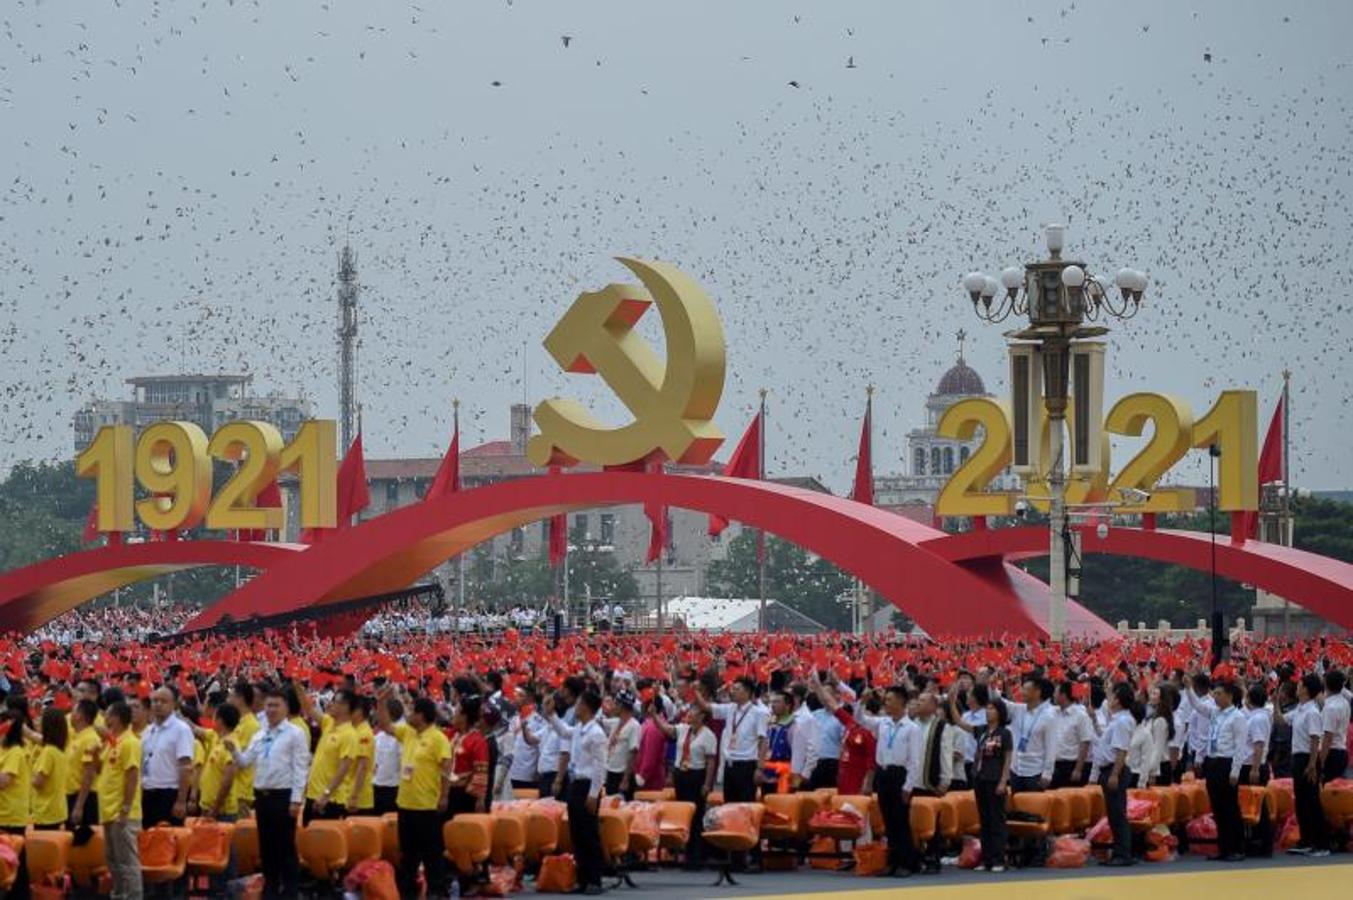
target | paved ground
[{"x": 1191, "y": 878}]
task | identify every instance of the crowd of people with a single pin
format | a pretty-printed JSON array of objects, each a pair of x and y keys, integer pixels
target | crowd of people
[{"x": 289, "y": 724}]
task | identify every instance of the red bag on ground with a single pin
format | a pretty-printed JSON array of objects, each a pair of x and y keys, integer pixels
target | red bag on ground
[
  {"x": 503, "y": 880},
  {"x": 1100, "y": 832},
  {"x": 970, "y": 857},
  {"x": 1143, "y": 810},
  {"x": 558, "y": 874},
  {"x": 1160, "y": 844},
  {"x": 871, "y": 858},
  {"x": 1068, "y": 853},
  {"x": 1290, "y": 834},
  {"x": 372, "y": 879},
  {"x": 1202, "y": 835}
]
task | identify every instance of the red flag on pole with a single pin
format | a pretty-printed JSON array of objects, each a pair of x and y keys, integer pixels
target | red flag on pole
[
  {"x": 863, "y": 489},
  {"x": 657, "y": 520},
  {"x": 353, "y": 493},
  {"x": 1270, "y": 458},
  {"x": 270, "y": 497},
  {"x": 744, "y": 463},
  {"x": 558, "y": 533},
  {"x": 447, "y": 479}
]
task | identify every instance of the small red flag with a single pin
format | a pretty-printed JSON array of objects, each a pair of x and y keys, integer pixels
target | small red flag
[
  {"x": 657, "y": 522},
  {"x": 1270, "y": 459},
  {"x": 558, "y": 533},
  {"x": 447, "y": 479},
  {"x": 744, "y": 463},
  {"x": 353, "y": 493},
  {"x": 863, "y": 489}
]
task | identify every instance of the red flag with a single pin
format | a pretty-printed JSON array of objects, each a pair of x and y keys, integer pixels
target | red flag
[
  {"x": 657, "y": 519},
  {"x": 1270, "y": 459},
  {"x": 91, "y": 533},
  {"x": 447, "y": 479},
  {"x": 353, "y": 493},
  {"x": 744, "y": 463},
  {"x": 558, "y": 533},
  {"x": 863, "y": 489},
  {"x": 271, "y": 498}
]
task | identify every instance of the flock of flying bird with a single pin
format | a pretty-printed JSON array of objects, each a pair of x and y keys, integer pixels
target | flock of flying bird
[{"x": 831, "y": 221}]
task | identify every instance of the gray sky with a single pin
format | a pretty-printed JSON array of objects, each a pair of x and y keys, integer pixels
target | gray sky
[{"x": 178, "y": 177}]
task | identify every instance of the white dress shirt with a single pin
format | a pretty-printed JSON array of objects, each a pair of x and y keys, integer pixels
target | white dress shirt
[
  {"x": 586, "y": 752},
  {"x": 916, "y": 755},
  {"x": 973, "y": 717},
  {"x": 703, "y": 748},
  {"x": 1306, "y": 729},
  {"x": 1116, "y": 737},
  {"x": 747, "y": 724},
  {"x": 1073, "y": 729},
  {"x": 1140, "y": 752},
  {"x": 1202, "y": 710},
  {"x": 1226, "y": 738},
  {"x": 1334, "y": 721},
  {"x": 1035, "y": 739},
  {"x": 622, "y": 740},
  {"x": 893, "y": 746},
  {"x": 525, "y": 756},
  {"x": 163, "y": 745},
  {"x": 386, "y": 771},
  {"x": 1181, "y": 729},
  {"x": 280, "y": 758},
  {"x": 803, "y": 744},
  {"x": 548, "y": 763},
  {"x": 1258, "y": 730}
]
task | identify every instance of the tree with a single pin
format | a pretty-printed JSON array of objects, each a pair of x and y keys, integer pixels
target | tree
[{"x": 810, "y": 585}]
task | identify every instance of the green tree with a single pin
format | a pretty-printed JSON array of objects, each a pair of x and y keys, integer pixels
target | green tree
[{"x": 810, "y": 585}]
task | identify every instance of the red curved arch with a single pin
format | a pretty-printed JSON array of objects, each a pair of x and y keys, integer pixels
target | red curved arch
[
  {"x": 1317, "y": 583},
  {"x": 34, "y": 595},
  {"x": 883, "y": 549}
]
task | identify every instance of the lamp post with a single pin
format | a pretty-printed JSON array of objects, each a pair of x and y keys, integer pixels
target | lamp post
[
  {"x": 1216, "y": 620},
  {"x": 1058, "y": 296}
]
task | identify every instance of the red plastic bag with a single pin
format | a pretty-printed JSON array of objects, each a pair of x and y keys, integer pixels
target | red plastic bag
[
  {"x": 1202, "y": 835},
  {"x": 1068, "y": 853},
  {"x": 1100, "y": 832},
  {"x": 558, "y": 874},
  {"x": 970, "y": 857},
  {"x": 1160, "y": 844},
  {"x": 1143, "y": 810},
  {"x": 1290, "y": 835},
  {"x": 644, "y": 820},
  {"x": 836, "y": 818},
  {"x": 503, "y": 880},
  {"x": 372, "y": 879},
  {"x": 871, "y": 858}
]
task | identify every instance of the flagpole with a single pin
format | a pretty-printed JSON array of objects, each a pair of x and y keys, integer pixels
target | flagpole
[
  {"x": 864, "y": 601},
  {"x": 1287, "y": 522},
  {"x": 761, "y": 532},
  {"x": 460, "y": 560}
]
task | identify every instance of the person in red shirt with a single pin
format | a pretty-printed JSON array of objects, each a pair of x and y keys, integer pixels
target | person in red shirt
[
  {"x": 469, "y": 761},
  {"x": 857, "y": 752}
]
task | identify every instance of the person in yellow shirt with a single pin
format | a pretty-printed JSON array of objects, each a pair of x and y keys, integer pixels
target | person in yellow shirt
[
  {"x": 360, "y": 793},
  {"x": 82, "y": 764},
  {"x": 48, "y": 798},
  {"x": 242, "y": 698},
  {"x": 16, "y": 784},
  {"x": 424, "y": 778},
  {"x": 326, "y": 792},
  {"x": 119, "y": 789},
  {"x": 218, "y": 799}
]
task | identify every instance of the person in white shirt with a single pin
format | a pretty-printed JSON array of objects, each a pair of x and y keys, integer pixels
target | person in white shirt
[
  {"x": 1307, "y": 731},
  {"x": 802, "y": 742},
  {"x": 1110, "y": 768},
  {"x": 1255, "y": 771},
  {"x": 385, "y": 778},
  {"x": 1033, "y": 723},
  {"x": 1334, "y": 722},
  {"x": 930, "y": 765},
  {"x": 622, "y": 745},
  {"x": 744, "y": 739},
  {"x": 527, "y": 734},
  {"x": 166, "y": 762},
  {"x": 1075, "y": 734},
  {"x": 1223, "y": 757},
  {"x": 1141, "y": 752},
  {"x": 1197, "y": 698},
  {"x": 693, "y": 771},
  {"x": 280, "y": 757},
  {"x": 586, "y": 777}
]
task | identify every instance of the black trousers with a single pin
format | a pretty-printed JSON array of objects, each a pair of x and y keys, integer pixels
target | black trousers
[
  {"x": 991, "y": 813},
  {"x": 276, "y": 842},
  {"x": 1336, "y": 763},
  {"x": 331, "y": 811},
  {"x": 888, "y": 784},
  {"x": 739, "y": 781},
  {"x": 824, "y": 774},
  {"x": 690, "y": 788},
  {"x": 1169, "y": 774},
  {"x": 420, "y": 844},
  {"x": 1225, "y": 800},
  {"x": 613, "y": 780},
  {"x": 1115, "y": 807},
  {"x": 1020, "y": 784},
  {"x": 1261, "y": 836},
  {"x": 157, "y": 805},
  {"x": 1310, "y": 815},
  {"x": 91, "y": 813},
  {"x": 546, "y": 784},
  {"x": 585, "y": 830},
  {"x": 385, "y": 798},
  {"x": 1061, "y": 774}
]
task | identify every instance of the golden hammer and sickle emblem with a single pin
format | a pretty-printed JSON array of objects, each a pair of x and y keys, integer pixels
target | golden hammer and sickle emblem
[{"x": 673, "y": 403}]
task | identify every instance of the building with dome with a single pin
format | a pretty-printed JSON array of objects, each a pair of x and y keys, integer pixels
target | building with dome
[{"x": 931, "y": 460}]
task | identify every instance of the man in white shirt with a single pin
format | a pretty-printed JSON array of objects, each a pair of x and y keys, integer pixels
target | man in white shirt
[
  {"x": 385, "y": 778},
  {"x": 930, "y": 766},
  {"x": 527, "y": 734},
  {"x": 1201, "y": 708},
  {"x": 586, "y": 776},
  {"x": 622, "y": 746},
  {"x": 1223, "y": 757},
  {"x": 743, "y": 746},
  {"x": 1110, "y": 765},
  {"x": 1307, "y": 731},
  {"x": 1075, "y": 734},
  {"x": 1255, "y": 771},
  {"x": 1033, "y": 724},
  {"x": 280, "y": 757},
  {"x": 1334, "y": 722},
  {"x": 166, "y": 762},
  {"x": 802, "y": 742}
]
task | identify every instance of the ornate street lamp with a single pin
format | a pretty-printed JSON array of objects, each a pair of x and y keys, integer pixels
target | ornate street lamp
[{"x": 1059, "y": 296}]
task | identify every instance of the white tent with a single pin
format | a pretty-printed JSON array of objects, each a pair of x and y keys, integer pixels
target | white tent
[{"x": 726, "y": 614}]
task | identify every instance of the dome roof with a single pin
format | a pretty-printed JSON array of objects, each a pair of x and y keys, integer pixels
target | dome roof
[{"x": 961, "y": 379}]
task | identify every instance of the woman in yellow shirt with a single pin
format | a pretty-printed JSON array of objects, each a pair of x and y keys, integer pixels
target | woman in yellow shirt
[
  {"x": 49, "y": 773},
  {"x": 15, "y": 784}
]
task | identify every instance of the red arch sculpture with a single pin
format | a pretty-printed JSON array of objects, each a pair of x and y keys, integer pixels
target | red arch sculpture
[
  {"x": 33, "y": 595},
  {"x": 883, "y": 549},
  {"x": 1317, "y": 583}
]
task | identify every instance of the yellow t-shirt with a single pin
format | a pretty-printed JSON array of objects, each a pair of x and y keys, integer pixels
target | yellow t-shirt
[
  {"x": 81, "y": 749},
  {"x": 14, "y": 798},
  {"x": 337, "y": 743},
  {"x": 421, "y": 759},
  {"x": 364, "y": 747},
  {"x": 213, "y": 775},
  {"x": 118, "y": 758},
  {"x": 49, "y": 801},
  {"x": 243, "y": 788}
]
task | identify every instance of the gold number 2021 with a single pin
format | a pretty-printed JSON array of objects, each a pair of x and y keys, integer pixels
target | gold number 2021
[{"x": 172, "y": 462}]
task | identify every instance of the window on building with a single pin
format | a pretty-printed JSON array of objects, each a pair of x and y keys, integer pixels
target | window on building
[
  {"x": 936, "y": 464},
  {"x": 391, "y": 493},
  {"x": 544, "y": 532},
  {"x": 608, "y": 528},
  {"x": 962, "y": 455},
  {"x": 580, "y": 524},
  {"x": 948, "y": 460},
  {"x": 518, "y": 541},
  {"x": 918, "y": 462}
]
